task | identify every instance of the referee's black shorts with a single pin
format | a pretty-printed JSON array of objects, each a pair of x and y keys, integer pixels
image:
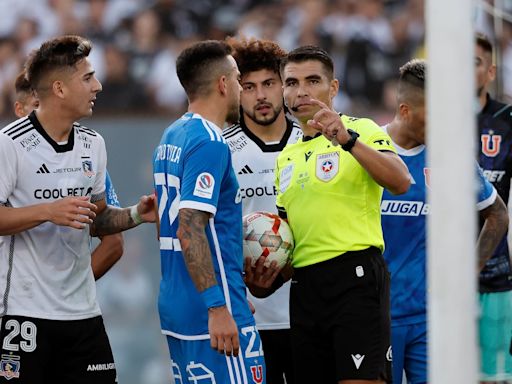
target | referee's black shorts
[{"x": 340, "y": 321}]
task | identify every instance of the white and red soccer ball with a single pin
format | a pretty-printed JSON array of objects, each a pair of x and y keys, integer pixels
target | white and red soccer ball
[{"x": 266, "y": 234}]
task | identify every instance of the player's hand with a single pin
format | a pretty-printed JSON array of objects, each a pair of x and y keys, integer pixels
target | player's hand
[
  {"x": 327, "y": 121},
  {"x": 146, "y": 208},
  {"x": 223, "y": 331},
  {"x": 75, "y": 212},
  {"x": 259, "y": 276}
]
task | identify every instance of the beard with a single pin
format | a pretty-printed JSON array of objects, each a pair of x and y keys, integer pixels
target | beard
[
  {"x": 233, "y": 115},
  {"x": 265, "y": 120}
]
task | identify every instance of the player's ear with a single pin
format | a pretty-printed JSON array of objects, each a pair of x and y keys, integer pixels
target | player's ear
[
  {"x": 404, "y": 110},
  {"x": 491, "y": 73},
  {"x": 58, "y": 88},
  {"x": 18, "y": 109},
  {"x": 222, "y": 85}
]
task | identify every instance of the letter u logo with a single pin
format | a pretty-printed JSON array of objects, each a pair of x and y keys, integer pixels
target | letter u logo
[
  {"x": 491, "y": 145},
  {"x": 257, "y": 373}
]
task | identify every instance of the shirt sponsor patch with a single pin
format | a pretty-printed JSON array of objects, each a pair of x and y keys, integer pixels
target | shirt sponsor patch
[
  {"x": 204, "y": 185},
  {"x": 327, "y": 165},
  {"x": 285, "y": 177}
]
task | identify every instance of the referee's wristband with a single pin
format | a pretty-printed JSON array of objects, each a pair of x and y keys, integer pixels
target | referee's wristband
[
  {"x": 213, "y": 297},
  {"x": 134, "y": 214}
]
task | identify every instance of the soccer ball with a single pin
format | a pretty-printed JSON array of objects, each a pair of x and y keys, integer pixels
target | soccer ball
[{"x": 266, "y": 234}]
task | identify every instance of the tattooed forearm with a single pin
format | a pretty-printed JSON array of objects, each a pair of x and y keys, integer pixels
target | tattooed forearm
[
  {"x": 112, "y": 220},
  {"x": 495, "y": 227},
  {"x": 195, "y": 247}
]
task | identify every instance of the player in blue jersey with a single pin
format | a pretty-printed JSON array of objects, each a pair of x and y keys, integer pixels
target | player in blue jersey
[
  {"x": 404, "y": 227},
  {"x": 202, "y": 302},
  {"x": 110, "y": 248},
  {"x": 494, "y": 143}
]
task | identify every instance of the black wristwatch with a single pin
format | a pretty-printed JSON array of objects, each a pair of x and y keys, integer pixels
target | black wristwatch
[{"x": 349, "y": 144}]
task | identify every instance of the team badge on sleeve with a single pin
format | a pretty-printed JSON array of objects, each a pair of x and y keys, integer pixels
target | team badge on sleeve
[
  {"x": 327, "y": 166},
  {"x": 204, "y": 185}
]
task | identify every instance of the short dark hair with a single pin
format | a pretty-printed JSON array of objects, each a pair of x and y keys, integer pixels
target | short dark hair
[
  {"x": 62, "y": 52},
  {"x": 412, "y": 80},
  {"x": 310, "y": 52},
  {"x": 254, "y": 55},
  {"x": 483, "y": 42},
  {"x": 198, "y": 65},
  {"x": 22, "y": 85}
]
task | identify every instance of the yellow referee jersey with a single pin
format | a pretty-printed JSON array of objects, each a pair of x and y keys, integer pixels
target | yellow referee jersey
[{"x": 332, "y": 203}]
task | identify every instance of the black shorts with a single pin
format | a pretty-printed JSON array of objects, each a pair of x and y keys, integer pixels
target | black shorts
[
  {"x": 340, "y": 321},
  {"x": 278, "y": 356},
  {"x": 39, "y": 351}
]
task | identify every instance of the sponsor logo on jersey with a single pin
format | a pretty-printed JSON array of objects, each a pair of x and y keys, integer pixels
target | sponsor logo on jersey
[
  {"x": 257, "y": 373},
  {"x": 87, "y": 167},
  {"x": 245, "y": 170},
  {"x": 30, "y": 142},
  {"x": 285, "y": 177},
  {"x": 10, "y": 367},
  {"x": 307, "y": 155},
  {"x": 101, "y": 367},
  {"x": 43, "y": 169},
  {"x": 490, "y": 145},
  {"x": 493, "y": 176},
  {"x": 68, "y": 170},
  {"x": 204, "y": 185},
  {"x": 403, "y": 208},
  {"x": 259, "y": 191},
  {"x": 237, "y": 145},
  {"x": 327, "y": 166},
  {"x": 382, "y": 142},
  {"x": 59, "y": 193},
  {"x": 358, "y": 359}
]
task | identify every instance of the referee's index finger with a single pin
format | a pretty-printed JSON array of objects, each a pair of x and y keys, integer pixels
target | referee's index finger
[{"x": 321, "y": 104}]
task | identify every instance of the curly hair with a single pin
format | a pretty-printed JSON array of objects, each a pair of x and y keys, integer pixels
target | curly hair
[{"x": 254, "y": 55}]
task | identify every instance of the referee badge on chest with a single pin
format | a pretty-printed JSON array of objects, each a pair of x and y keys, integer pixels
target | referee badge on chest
[{"x": 327, "y": 165}]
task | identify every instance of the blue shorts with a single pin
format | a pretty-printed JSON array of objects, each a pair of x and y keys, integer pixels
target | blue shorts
[
  {"x": 409, "y": 353},
  {"x": 495, "y": 334},
  {"x": 194, "y": 361}
]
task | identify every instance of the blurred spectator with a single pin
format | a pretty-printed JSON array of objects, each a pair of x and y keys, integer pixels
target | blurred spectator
[{"x": 120, "y": 89}]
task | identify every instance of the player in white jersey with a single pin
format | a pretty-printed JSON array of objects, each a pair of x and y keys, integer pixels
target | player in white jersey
[
  {"x": 263, "y": 131},
  {"x": 52, "y": 187},
  {"x": 110, "y": 248}
]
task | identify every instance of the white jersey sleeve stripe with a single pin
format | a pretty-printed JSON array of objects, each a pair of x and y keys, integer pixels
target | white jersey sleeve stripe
[
  {"x": 210, "y": 132},
  {"x": 487, "y": 202},
  {"x": 185, "y": 337},
  {"x": 237, "y": 370},
  {"x": 242, "y": 366},
  {"x": 199, "y": 206}
]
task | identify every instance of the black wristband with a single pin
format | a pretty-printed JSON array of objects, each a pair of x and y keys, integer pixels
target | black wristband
[{"x": 349, "y": 144}]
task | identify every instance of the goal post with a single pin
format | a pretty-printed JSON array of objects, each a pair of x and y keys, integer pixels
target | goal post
[{"x": 451, "y": 266}]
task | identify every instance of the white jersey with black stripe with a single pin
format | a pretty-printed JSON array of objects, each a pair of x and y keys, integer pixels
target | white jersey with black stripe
[
  {"x": 253, "y": 162},
  {"x": 45, "y": 271}
]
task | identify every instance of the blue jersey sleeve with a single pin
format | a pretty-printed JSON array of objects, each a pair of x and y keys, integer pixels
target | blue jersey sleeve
[
  {"x": 110, "y": 192},
  {"x": 486, "y": 192},
  {"x": 205, "y": 169}
]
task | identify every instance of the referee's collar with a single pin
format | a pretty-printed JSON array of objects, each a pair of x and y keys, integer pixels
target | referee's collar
[{"x": 307, "y": 138}]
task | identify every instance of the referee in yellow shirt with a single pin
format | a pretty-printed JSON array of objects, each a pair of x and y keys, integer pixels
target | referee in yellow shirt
[{"x": 329, "y": 188}]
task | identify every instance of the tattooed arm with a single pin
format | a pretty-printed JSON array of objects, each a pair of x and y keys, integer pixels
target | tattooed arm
[
  {"x": 198, "y": 258},
  {"x": 495, "y": 226},
  {"x": 113, "y": 220}
]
